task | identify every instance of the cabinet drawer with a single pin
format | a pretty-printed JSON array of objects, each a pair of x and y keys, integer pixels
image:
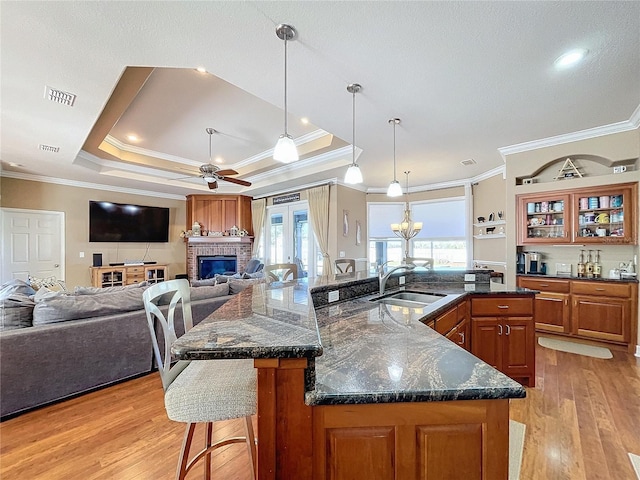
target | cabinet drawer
[
  {"x": 602, "y": 289},
  {"x": 545, "y": 285},
  {"x": 462, "y": 311},
  {"x": 132, "y": 270},
  {"x": 502, "y": 306},
  {"x": 447, "y": 321}
]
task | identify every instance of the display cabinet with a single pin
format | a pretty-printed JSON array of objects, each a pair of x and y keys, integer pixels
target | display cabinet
[
  {"x": 219, "y": 213},
  {"x": 118, "y": 276},
  {"x": 597, "y": 215}
]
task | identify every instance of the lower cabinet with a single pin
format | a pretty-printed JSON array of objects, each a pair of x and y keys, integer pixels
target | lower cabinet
[
  {"x": 453, "y": 325},
  {"x": 503, "y": 335},
  {"x": 596, "y": 310}
]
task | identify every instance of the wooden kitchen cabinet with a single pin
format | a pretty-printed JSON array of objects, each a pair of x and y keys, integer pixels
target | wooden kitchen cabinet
[
  {"x": 453, "y": 324},
  {"x": 589, "y": 309},
  {"x": 503, "y": 335},
  {"x": 598, "y": 215},
  {"x": 218, "y": 213},
  {"x": 553, "y": 309}
]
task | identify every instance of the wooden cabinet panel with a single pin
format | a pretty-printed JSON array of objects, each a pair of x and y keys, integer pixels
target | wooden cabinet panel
[
  {"x": 218, "y": 213},
  {"x": 447, "y": 321},
  {"x": 486, "y": 341},
  {"x": 545, "y": 285},
  {"x": 553, "y": 312},
  {"x": 449, "y": 451},
  {"x": 518, "y": 347},
  {"x": 622, "y": 290},
  {"x": 601, "y": 318},
  {"x": 376, "y": 453},
  {"x": 501, "y": 306},
  {"x": 544, "y": 218}
]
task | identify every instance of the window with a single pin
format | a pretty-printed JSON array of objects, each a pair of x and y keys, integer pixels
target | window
[{"x": 443, "y": 235}]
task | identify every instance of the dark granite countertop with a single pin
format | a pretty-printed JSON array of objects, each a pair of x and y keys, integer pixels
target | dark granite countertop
[
  {"x": 363, "y": 351},
  {"x": 567, "y": 277}
]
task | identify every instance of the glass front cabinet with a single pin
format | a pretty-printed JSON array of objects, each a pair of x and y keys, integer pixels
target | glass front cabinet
[{"x": 595, "y": 215}]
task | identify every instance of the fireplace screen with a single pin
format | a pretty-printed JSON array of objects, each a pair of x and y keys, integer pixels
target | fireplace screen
[{"x": 209, "y": 266}]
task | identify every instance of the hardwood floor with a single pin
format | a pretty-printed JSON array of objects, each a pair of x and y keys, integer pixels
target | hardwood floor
[{"x": 582, "y": 419}]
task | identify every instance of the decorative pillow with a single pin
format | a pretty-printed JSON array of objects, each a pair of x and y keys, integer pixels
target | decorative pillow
[
  {"x": 209, "y": 291},
  {"x": 205, "y": 282},
  {"x": 15, "y": 286},
  {"x": 246, "y": 276},
  {"x": 59, "y": 308},
  {"x": 94, "y": 290},
  {"x": 52, "y": 283},
  {"x": 222, "y": 278},
  {"x": 16, "y": 311}
]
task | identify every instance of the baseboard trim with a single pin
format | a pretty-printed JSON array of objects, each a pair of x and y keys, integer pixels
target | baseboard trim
[{"x": 638, "y": 351}]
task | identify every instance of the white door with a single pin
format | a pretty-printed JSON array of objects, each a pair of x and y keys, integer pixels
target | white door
[
  {"x": 289, "y": 237},
  {"x": 32, "y": 244}
]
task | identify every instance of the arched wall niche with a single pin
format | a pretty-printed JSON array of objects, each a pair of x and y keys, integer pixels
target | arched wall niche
[{"x": 587, "y": 164}]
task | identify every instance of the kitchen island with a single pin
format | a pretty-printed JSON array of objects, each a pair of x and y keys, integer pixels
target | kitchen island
[{"x": 359, "y": 389}]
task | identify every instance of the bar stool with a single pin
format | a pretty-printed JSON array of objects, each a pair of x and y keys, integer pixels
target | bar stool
[
  {"x": 199, "y": 391},
  {"x": 345, "y": 265},
  {"x": 281, "y": 272}
]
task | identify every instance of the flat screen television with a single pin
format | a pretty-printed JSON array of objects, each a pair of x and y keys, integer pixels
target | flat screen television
[{"x": 117, "y": 222}]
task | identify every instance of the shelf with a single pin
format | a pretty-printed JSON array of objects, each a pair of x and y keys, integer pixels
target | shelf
[
  {"x": 490, "y": 235},
  {"x": 490, "y": 224}
]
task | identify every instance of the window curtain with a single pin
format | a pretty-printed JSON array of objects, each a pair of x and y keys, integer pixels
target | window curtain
[
  {"x": 319, "y": 216},
  {"x": 258, "y": 211}
]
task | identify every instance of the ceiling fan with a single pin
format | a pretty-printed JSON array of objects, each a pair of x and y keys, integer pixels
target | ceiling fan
[{"x": 212, "y": 173}]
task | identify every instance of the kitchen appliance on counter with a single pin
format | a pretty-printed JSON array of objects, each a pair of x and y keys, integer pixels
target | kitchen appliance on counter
[{"x": 533, "y": 263}]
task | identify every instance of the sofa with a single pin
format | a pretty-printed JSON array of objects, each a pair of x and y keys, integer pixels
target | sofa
[{"x": 55, "y": 345}]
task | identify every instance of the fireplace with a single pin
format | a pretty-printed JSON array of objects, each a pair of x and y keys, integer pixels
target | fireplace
[
  {"x": 210, "y": 265},
  {"x": 240, "y": 247}
]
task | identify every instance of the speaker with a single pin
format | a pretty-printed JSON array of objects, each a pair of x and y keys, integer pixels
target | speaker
[{"x": 97, "y": 259}]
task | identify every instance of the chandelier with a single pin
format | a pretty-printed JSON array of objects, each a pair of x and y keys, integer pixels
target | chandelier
[{"x": 406, "y": 229}]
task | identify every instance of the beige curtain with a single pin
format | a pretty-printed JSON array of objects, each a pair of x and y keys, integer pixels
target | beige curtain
[
  {"x": 319, "y": 216},
  {"x": 258, "y": 211}
]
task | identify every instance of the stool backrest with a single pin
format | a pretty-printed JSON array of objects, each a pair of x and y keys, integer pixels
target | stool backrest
[
  {"x": 420, "y": 262},
  {"x": 345, "y": 265},
  {"x": 170, "y": 292},
  {"x": 281, "y": 272}
]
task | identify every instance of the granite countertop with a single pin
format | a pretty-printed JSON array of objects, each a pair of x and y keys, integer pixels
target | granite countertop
[
  {"x": 362, "y": 351},
  {"x": 572, "y": 277}
]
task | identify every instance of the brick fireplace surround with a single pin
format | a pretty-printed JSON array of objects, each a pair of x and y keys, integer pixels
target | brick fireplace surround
[{"x": 196, "y": 246}]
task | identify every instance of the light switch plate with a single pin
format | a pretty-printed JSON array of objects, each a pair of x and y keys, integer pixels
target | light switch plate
[
  {"x": 402, "y": 279},
  {"x": 470, "y": 287},
  {"x": 334, "y": 295},
  {"x": 342, "y": 254},
  {"x": 469, "y": 277}
]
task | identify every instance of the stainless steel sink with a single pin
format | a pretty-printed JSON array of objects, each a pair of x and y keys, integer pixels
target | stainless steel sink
[{"x": 418, "y": 297}]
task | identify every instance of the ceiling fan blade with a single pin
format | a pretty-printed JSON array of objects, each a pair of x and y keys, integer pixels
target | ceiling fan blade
[
  {"x": 228, "y": 171},
  {"x": 236, "y": 180},
  {"x": 213, "y": 185}
]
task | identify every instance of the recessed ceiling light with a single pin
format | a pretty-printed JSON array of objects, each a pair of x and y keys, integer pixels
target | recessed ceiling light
[
  {"x": 132, "y": 137},
  {"x": 218, "y": 160},
  {"x": 201, "y": 70},
  {"x": 304, "y": 120},
  {"x": 570, "y": 58}
]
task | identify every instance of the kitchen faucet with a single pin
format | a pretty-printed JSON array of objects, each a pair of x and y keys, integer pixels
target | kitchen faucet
[{"x": 383, "y": 277}]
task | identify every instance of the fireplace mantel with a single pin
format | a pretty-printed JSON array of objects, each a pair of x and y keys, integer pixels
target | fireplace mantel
[
  {"x": 226, "y": 245},
  {"x": 223, "y": 239}
]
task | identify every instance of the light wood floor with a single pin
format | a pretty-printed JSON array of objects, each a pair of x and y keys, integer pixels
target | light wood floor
[{"x": 582, "y": 419}]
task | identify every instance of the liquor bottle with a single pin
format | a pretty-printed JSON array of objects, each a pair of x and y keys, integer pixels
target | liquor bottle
[
  {"x": 581, "y": 266},
  {"x": 589, "y": 266},
  {"x": 597, "y": 267}
]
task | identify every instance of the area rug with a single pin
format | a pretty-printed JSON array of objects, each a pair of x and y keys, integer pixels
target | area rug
[
  {"x": 516, "y": 445},
  {"x": 577, "y": 348},
  {"x": 635, "y": 461}
]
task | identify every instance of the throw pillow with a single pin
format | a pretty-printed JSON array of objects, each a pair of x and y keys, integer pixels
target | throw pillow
[
  {"x": 52, "y": 283},
  {"x": 94, "y": 290},
  {"x": 15, "y": 286},
  {"x": 236, "y": 286},
  {"x": 253, "y": 275},
  {"x": 209, "y": 291},
  {"x": 204, "y": 282},
  {"x": 16, "y": 311}
]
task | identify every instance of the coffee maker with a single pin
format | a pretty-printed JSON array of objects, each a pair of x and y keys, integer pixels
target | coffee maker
[{"x": 533, "y": 263}]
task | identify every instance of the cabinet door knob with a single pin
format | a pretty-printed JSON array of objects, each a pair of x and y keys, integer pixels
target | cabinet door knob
[
  {"x": 499, "y": 329},
  {"x": 508, "y": 330}
]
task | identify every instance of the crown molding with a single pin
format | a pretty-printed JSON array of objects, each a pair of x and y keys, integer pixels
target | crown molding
[
  {"x": 114, "y": 142},
  {"x": 92, "y": 186},
  {"x": 425, "y": 188},
  {"x": 501, "y": 170},
  {"x": 618, "y": 127},
  {"x": 306, "y": 186}
]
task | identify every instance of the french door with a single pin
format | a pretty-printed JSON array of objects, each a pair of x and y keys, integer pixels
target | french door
[{"x": 289, "y": 237}]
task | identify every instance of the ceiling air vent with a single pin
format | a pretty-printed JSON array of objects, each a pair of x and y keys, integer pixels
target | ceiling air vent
[
  {"x": 49, "y": 148},
  {"x": 65, "y": 98},
  {"x": 468, "y": 162}
]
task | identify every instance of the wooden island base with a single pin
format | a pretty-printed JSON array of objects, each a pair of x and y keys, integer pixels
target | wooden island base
[{"x": 413, "y": 440}]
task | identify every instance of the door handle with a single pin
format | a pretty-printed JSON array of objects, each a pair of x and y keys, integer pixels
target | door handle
[
  {"x": 508, "y": 330},
  {"x": 503, "y": 306},
  {"x": 56, "y": 265},
  {"x": 499, "y": 329},
  {"x": 461, "y": 342}
]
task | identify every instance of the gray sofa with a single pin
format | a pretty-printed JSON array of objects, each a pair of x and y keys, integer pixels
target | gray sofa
[{"x": 72, "y": 349}]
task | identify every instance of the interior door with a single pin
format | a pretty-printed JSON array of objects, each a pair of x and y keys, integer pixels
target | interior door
[
  {"x": 32, "y": 244},
  {"x": 290, "y": 237}
]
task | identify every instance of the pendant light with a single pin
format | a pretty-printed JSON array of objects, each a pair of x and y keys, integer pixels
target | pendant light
[
  {"x": 394, "y": 190},
  {"x": 353, "y": 175},
  {"x": 285, "y": 150}
]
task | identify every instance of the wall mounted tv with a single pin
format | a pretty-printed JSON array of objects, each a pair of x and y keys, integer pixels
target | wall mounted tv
[{"x": 117, "y": 222}]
